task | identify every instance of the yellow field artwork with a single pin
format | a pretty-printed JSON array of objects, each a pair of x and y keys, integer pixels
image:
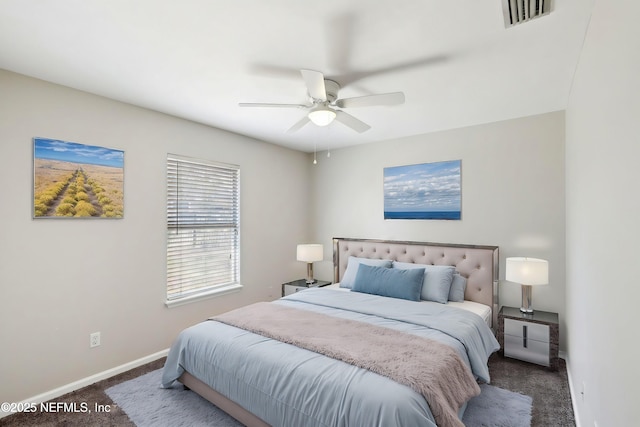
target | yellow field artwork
[{"x": 77, "y": 181}]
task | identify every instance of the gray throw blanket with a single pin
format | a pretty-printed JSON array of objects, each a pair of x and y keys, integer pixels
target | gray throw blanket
[{"x": 427, "y": 366}]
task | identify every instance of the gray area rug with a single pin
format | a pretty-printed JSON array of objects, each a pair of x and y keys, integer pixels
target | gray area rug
[{"x": 147, "y": 404}]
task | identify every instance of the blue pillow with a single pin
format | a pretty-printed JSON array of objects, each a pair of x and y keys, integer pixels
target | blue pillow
[
  {"x": 458, "y": 286},
  {"x": 352, "y": 268},
  {"x": 387, "y": 282},
  {"x": 437, "y": 280}
]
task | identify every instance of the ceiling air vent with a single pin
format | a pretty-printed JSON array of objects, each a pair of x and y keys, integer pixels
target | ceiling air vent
[{"x": 520, "y": 11}]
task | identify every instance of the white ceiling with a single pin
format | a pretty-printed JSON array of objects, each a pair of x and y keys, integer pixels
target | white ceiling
[{"x": 197, "y": 59}]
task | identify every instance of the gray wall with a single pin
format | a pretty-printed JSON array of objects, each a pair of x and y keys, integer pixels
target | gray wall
[
  {"x": 512, "y": 196},
  {"x": 60, "y": 280},
  {"x": 603, "y": 207}
]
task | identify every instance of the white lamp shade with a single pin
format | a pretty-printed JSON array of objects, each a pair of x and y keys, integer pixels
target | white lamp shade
[
  {"x": 310, "y": 252},
  {"x": 527, "y": 271},
  {"x": 322, "y": 116}
]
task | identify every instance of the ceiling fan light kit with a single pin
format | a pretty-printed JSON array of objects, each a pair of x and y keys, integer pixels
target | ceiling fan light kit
[{"x": 322, "y": 115}]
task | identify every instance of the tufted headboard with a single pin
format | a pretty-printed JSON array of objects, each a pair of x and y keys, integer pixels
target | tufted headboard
[{"x": 478, "y": 264}]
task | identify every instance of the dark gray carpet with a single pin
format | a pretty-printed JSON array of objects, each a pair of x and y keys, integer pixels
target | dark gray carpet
[
  {"x": 549, "y": 390},
  {"x": 148, "y": 405}
]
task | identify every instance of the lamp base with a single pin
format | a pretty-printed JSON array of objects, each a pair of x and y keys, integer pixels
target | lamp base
[
  {"x": 310, "y": 280},
  {"x": 526, "y": 306}
]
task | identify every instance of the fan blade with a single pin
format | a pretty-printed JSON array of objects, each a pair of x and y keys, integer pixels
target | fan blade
[
  {"x": 350, "y": 121},
  {"x": 315, "y": 84},
  {"x": 303, "y": 121},
  {"x": 267, "y": 105},
  {"x": 394, "y": 98},
  {"x": 349, "y": 77}
]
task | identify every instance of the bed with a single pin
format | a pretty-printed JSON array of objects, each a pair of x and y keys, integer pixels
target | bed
[{"x": 304, "y": 374}]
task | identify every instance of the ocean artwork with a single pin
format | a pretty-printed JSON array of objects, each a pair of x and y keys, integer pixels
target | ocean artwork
[
  {"x": 423, "y": 191},
  {"x": 74, "y": 180}
]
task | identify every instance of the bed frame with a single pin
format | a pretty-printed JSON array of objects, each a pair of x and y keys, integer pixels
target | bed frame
[{"x": 478, "y": 264}]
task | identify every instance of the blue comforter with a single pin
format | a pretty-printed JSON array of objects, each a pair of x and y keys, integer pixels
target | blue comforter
[{"x": 288, "y": 386}]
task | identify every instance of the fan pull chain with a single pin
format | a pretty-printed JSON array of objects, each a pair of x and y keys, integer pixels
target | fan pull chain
[{"x": 315, "y": 146}]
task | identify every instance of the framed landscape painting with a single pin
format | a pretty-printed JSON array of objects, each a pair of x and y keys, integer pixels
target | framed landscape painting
[
  {"x": 423, "y": 191},
  {"x": 77, "y": 181}
]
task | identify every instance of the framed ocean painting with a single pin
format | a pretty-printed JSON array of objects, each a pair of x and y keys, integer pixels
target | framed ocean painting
[
  {"x": 74, "y": 180},
  {"x": 423, "y": 191}
]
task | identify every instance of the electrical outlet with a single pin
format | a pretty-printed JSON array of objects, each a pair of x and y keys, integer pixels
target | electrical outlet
[{"x": 94, "y": 339}]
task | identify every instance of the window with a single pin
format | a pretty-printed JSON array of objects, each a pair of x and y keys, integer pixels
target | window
[{"x": 203, "y": 228}]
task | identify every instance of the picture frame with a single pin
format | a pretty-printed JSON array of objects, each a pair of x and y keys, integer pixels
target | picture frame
[
  {"x": 72, "y": 180},
  {"x": 428, "y": 191}
]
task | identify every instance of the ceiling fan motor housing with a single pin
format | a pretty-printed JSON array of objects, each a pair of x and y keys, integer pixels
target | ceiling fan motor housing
[{"x": 332, "y": 89}]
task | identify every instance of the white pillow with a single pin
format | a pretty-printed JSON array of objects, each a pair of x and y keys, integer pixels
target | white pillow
[
  {"x": 437, "y": 280},
  {"x": 352, "y": 269}
]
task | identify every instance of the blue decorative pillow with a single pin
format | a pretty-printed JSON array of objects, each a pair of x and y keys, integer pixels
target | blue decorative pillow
[
  {"x": 352, "y": 268},
  {"x": 389, "y": 282},
  {"x": 458, "y": 286},
  {"x": 437, "y": 280}
]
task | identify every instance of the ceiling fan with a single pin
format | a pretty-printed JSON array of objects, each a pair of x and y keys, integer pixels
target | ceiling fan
[{"x": 325, "y": 106}]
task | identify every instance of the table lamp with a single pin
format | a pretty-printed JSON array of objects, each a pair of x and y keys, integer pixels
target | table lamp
[
  {"x": 310, "y": 253},
  {"x": 528, "y": 272}
]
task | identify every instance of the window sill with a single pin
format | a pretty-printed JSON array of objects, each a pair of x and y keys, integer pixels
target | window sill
[{"x": 205, "y": 295}]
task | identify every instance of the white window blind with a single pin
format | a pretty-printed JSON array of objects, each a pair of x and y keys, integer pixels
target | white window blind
[{"x": 203, "y": 225}]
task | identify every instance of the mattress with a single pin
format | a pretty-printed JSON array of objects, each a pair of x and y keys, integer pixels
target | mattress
[{"x": 482, "y": 310}]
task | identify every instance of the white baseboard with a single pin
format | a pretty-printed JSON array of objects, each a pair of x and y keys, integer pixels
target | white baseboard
[
  {"x": 574, "y": 394},
  {"x": 68, "y": 388}
]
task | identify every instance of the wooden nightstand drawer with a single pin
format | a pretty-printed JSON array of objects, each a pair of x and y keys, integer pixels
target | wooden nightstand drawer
[
  {"x": 288, "y": 290},
  {"x": 526, "y": 349},
  {"x": 532, "y": 331},
  {"x": 526, "y": 341},
  {"x": 532, "y": 337}
]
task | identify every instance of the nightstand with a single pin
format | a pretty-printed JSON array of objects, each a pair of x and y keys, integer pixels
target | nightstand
[
  {"x": 531, "y": 337},
  {"x": 300, "y": 284}
]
